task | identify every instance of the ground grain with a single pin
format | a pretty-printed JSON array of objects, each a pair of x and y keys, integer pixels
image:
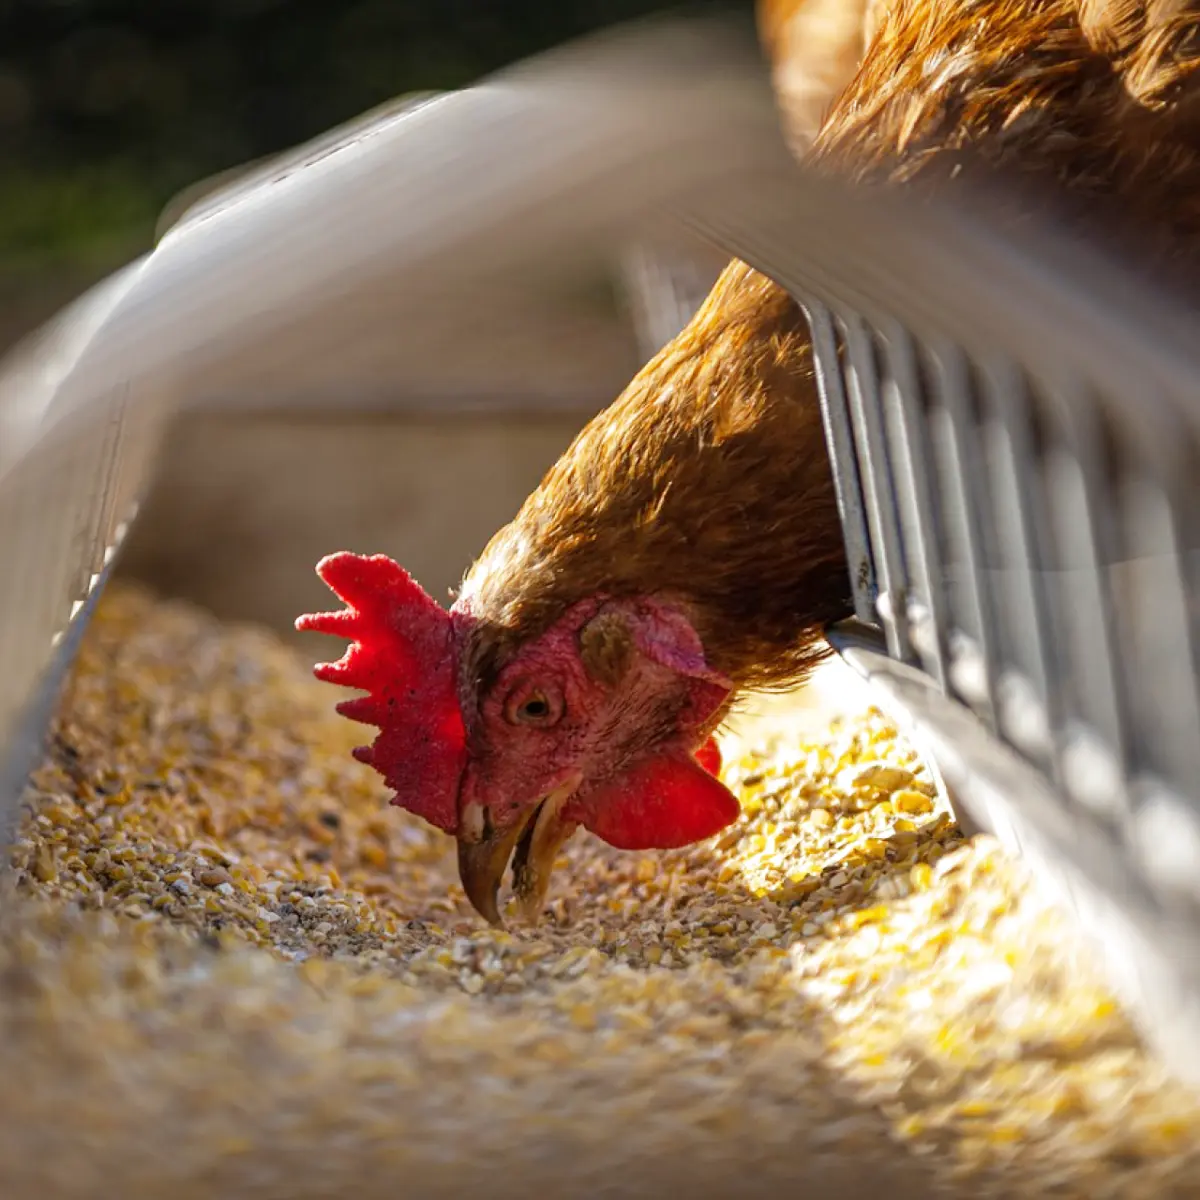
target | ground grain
[{"x": 228, "y": 967}]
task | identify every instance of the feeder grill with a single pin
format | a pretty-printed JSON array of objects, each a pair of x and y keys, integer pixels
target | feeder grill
[{"x": 1014, "y": 425}]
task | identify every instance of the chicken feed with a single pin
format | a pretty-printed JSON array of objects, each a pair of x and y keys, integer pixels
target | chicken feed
[{"x": 227, "y": 967}]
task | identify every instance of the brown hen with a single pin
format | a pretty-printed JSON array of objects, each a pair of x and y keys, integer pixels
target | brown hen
[{"x": 687, "y": 546}]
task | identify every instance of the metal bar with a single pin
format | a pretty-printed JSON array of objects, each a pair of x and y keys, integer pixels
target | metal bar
[
  {"x": 907, "y": 435},
  {"x": 1150, "y": 598},
  {"x": 111, "y": 494},
  {"x": 840, "y": 441},
  {"x": 1094, "y": 758},
  {"x": 1029, "y": 705},
  {"x": 866, "y": 424},
  {"x": 972, "y": 663}
]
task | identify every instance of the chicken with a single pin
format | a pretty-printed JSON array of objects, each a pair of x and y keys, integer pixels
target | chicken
[{"x": 687, "y": 546}]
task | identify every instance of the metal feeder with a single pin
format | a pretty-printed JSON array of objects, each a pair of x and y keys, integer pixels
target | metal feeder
[
  {"x": 1013, "y": 422},
  {"x": 1014, "y": 425}
]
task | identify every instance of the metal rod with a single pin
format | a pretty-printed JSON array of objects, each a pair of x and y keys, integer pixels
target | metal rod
[
  {"x": 972, "y": 668},
  {"x": 1029, "y": 700},
  {"x": 906, "y": 429},
  {"x": 840, "y": 441},
  {"x": 1095, "y": 758},
  {"x": 866, "y": 423}
]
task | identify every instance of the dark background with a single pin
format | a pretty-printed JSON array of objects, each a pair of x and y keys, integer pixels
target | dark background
[{"x": 109, "y": 107}]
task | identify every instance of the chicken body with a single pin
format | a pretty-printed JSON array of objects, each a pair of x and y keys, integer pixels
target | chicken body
[
  {"x": 687, "y": 546},
  {"x": 1087, "y": 106}
]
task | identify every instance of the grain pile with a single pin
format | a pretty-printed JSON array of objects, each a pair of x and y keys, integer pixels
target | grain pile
[{"x": 228, "y": 968}]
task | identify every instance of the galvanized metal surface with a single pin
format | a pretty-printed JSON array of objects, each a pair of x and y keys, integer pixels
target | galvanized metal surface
[{"x": 73, "y": 465}]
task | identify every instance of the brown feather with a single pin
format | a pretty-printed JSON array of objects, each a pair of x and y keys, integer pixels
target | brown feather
[
  {"x": 814, "y": 47},
  {"x": 707, "y": 482},
  {"x": 1090, "y": 102}
]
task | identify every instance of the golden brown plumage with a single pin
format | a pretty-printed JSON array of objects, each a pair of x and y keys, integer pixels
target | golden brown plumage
[
  {"x": 707, "y": 481},
  {"x": 814, "y": 48},
  {"x": 1088, "y": 106}
]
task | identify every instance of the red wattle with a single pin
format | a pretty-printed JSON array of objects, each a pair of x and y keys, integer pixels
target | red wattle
[{"x": 659, "y": 804}]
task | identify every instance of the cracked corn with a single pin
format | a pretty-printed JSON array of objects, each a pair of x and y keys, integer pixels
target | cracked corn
[{"x": 227, "y": 967}]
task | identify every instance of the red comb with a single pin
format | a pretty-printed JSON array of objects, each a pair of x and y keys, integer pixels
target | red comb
[{"x": 402, "y": 655}]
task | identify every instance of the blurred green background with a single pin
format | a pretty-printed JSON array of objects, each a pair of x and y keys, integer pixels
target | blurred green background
[{"x": 109, "y": 107}]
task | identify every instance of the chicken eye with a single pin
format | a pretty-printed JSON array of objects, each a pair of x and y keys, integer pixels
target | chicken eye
[{"x": 533, "y": 708}]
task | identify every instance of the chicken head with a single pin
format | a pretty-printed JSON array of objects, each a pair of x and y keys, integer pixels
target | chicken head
[{"x": 603, "y": 721}]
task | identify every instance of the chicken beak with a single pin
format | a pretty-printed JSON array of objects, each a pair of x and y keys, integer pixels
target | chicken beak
[
  {"x": 537, "y": 851},
  {"x": 536, "y": 840},
  {"x": 481, "y": 868}
]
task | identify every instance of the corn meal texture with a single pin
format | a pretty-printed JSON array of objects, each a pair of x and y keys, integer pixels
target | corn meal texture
[{"x": 228, "y": 968}]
